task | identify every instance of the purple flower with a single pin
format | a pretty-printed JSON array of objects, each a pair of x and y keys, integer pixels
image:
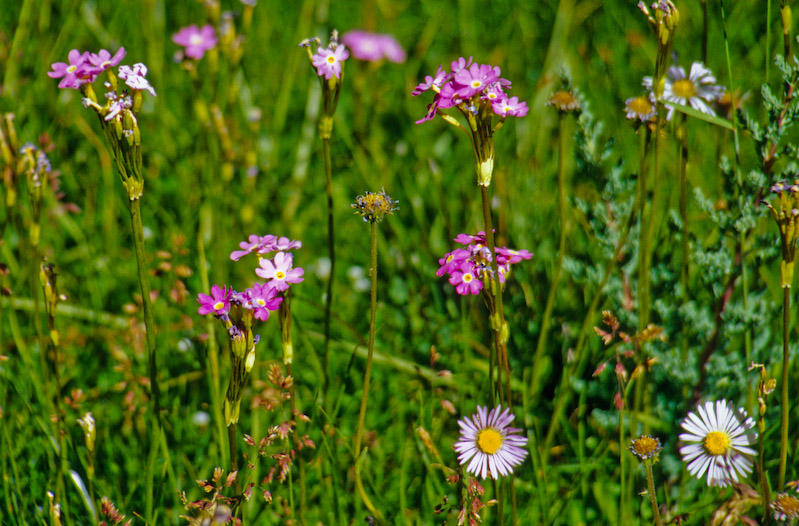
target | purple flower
[
  {"x": 103, "y": 60},
  {"x": 493, "y": 93},
  {"x": 246, "y": 247},
  {"x": 510, "y": 107},
  {"x": 262, "y": 299},
  {"x": 196, "y": 41},
  {"x": 285, "y": 243},
  {"x": 218, "y": 302},
  {"x": 118, "y": 106},
  {"x": 460, "y": 64},
  {"x": 280, "y": 272},
  {"x": 452, "y": 261},
  {"x": 506, "y": 255},
  {"x": 78, "y": 71},
  {"x": 135, "y": 77},
  {"x": 373, "y": 46},
  {"x": 475, "y": 79},
  {"x": 431, "y": 82},
  {"x": 328, "y": 61},
  {"x": 466, "y": 280}
]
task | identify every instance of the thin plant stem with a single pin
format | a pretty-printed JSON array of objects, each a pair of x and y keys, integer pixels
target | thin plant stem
[
  {"x": 331, "y": 250},
  {"x": 643, "y": 300},
  {"x": 232, "y": 440},
  {"x": 766, "y": 63},
  {"x": 368, "y": 373},
  {"x": 498, "y": 324},
  {"x": 650, "y": 486},
  {"x": 785, "y": 403},
  {"x": 134, "y": 206},
  {"x": 763, "y": 477},
  {"x": 553, "y": 288}
]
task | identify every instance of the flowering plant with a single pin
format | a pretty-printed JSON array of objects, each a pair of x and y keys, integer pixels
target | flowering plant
[{"x": 478, "y": 92}]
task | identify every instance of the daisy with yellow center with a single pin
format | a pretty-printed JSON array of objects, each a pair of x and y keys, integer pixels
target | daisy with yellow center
[
  {"x": 564, "y": 101},
  {"x": 640, "y": 108},
  {"x": 697, "y": 89},
  {"x": 488, "y": 443},
  {"x": 717, "y": 442}
]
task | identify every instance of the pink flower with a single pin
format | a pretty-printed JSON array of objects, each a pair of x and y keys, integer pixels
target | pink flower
[
  {"x": 103, "y": 60},
  {"x": 218, "y": 302},
  {"x": 135, "y": 77},
  {"x": 246, "y": 248},
  {"x": 475, "y": 79},
  {"x": 328, "y": 61},
  {"x": 373, "y": 46},
  {"x": 262, "y": 299},
  {"x": 466, "y": 280},
  {"x": 280, "y": 273},
  {"x": 452, "y": 261},
  {"x": 430, "y": 82},
  {"x": 78, "y": 71},
  {"x": 510, "y": 107},
  {"x": 285, "y": 243},
  {"x": 196, "y": 41}
]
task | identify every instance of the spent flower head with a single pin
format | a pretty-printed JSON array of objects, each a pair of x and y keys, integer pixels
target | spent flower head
[
  {"x": 785, "y": 211},
  {"x": 196, "y": 40},
  {"x": 785, "y": 507},
  {"x": 488, "y": 444},
  {"x": 373, "y": 206},
  {"x": 717, "y": 441},
  {"x": 564, "y": 101},
  {"x": 646, "y": 448}
]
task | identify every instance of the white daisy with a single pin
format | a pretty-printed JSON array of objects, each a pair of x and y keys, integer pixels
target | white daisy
[
  {"x": 717, "y": 442},
  {"x": 698, "y": 89},
  {"x": 493, "y": 447}
]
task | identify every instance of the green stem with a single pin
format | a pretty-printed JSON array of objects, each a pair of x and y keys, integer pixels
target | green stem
[
  {"x": 643, "y": 300},
  {"x": 622, "y": 467},
  {"x": 367, "y": 374},
  {"x": 232, "y": 441},
  {"x": 650, "y": 485},
  {"x": 785, "y": 403},
  {"x": 331, "y": 250},
  {"x": 499, "y": 323},
  {"x": 134, "y": 206},
  {"x": 553, "y": 288}
]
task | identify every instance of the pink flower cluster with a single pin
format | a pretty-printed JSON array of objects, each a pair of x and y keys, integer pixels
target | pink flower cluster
[
  {"x": 260, "y": 298},
  {"x": 84, "y": 68},
  {"x": 472, "y": 87},
  {"x": 373, "y": 47},
  {"x": 466, "y": 267}
]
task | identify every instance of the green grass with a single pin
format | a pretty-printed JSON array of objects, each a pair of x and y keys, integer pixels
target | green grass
[{"x": 197, "y": 187}]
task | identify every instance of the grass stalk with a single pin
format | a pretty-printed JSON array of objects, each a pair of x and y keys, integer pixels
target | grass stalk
[
  {"x": 682, "y": 137},
  {"x": 650, "y": 487},
  {"x": 331, "y": 251},
  {"x": 368, "y": 373}
]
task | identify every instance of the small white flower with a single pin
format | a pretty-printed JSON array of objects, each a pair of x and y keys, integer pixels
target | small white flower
[
  {"x": 697, "y": 90},
  {"x": 493, "y": 446},
  {"x": 717, "y": 441}
]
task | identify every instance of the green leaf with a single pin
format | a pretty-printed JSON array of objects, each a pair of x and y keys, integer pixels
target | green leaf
[{"x": 718, "y": 121}]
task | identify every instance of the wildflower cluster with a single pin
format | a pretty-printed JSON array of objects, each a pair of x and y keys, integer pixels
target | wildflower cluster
[
  {"x": 328, "y": 63},
  {"x": 469, "y": 268},
  {"x": 785, "y": 212},
  {"x": 478, "y": 92},
  {"x": 237, "y": 310},
  {"x": 118, "y": 114}
]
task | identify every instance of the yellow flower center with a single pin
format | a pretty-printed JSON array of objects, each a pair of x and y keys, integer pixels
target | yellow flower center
[
  {"x": 218, "y": 305},
  {"x": 280, "y": 274},
  {"x": 72, "y": 69},
  {"x": 640, "y": 105},
  {"x": 260, "y": 302},
  {"x": 196, "y": 40},
  {"x": 331, "y": 59},
  {"x": 645, "y": 446},
  {"x": 476, "y": 84},
  {"x": 563, "y": 101},
  {"x": 489, "y": 440},
  {"x": 467, "y": 278},
  {"x": 684, "y": 88},
  {"x": 717, "y": 442},
  {"x": 449, "y": 258}
]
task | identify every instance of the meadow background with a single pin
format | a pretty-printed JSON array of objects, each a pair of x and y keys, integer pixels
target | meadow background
[{"x": 264, "y": 174}]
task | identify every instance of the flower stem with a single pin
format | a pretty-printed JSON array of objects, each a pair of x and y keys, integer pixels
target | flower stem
[
  {"x": 331, "y": 249},
  {"x": 498, "y": 324},
  {"x": 134, "y": 206},
  {"x": 650, "y": 485},
  {"x": 683, "y": 151},
  {"x": 786, "y": 326},
  {"x": 368, "y": 373}
]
